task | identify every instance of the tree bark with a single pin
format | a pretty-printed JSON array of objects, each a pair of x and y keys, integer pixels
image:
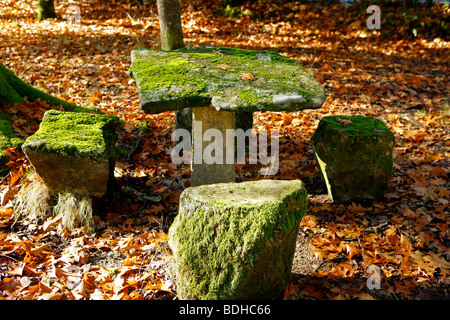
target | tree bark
[
  {"x": 13, "y": 90},
  {"x": 169, "y": 14},
  {"x": 232, "y": 3},
  {"x": 46, "y": 9}
]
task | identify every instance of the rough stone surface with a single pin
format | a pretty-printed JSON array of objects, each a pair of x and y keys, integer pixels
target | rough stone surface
[
  {"x": 7, "y": 139},
  {"x": 355, "y": 156},
  {"x": 202, "y": 171},
  {"x": 237, "y": 240},
  {"x": 74, "y": 152},
  {"x": 225, "y": 78}
]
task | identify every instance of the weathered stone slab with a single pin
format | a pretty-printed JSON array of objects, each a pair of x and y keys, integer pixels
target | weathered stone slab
[
  {"x": 7, "y": 139},
  {"x": 237, "y": 240},
  {"x": 227, "y": 79},
  {"x": 74, "y": 152},
  {"x": 355, "y": 156}
]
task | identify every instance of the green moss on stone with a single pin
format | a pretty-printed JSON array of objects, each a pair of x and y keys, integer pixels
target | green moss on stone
[
  {"x": 72, "y": 133},
  {"x": 225, "y": 238},
  {"x": 358, "y": 125},
  {"x": 204, "y": 76},
  {"x": 74, "y": 152},
  {"x": 354, "y": 154},
  {"x": 7, "y": 139}
]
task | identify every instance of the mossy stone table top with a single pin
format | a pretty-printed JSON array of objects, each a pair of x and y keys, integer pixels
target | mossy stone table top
[{"x": 225, "y": 78}]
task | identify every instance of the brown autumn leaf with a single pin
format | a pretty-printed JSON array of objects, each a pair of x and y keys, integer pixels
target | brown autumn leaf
[
  {"x": 6, "y": 194},
  {"x": 437, "y": 261},
  {"x": 314, "y": 293},
  {"x": 42, "y": 250},
  {"x": 289, "y": 291},
  {"x": 309, "y": 221},
  {"x": 287, "y": 118},
  {"x": 247, "y": 76},
  {"x": 344, "y": 121},
  {"x": 356, "y": 208},
  {"x": 361, "y": 84},
  {"x": 223, "y": 66},
  {"x": 14, "y": 176},
  {"x": 352, "y": 250},
  {"x": 325, "y": 68}
]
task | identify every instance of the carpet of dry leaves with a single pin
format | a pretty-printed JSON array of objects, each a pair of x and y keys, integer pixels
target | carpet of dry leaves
[{"x": 390, "y": 74}]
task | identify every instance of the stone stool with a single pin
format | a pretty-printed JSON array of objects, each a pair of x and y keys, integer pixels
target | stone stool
[
  {"x": 237, "y": 240},
  {"x": 74, "y": 152},
  {"x": 354, "y": 154}
]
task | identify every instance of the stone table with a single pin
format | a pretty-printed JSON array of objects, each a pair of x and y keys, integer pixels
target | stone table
[{"x": 216, "y": 82}]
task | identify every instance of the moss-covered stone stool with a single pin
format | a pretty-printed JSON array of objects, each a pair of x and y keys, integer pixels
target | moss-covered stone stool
[
  {"x": 217, "y": 83},
  {"x": 354, "y": 154},
  {"x": 237, "y": 240},
  {"x": 74, "y": 152}
]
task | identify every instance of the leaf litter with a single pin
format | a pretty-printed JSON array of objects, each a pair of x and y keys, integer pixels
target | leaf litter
[{"x": 392, "y": 75}]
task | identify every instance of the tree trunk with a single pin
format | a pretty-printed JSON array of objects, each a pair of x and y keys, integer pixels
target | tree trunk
[
  {"x": 364, "y": 4},
  {"x": 46, "y": 9},
  {"x": 406, "y": 4},
  {"x": 169, "y": 13},
  {"x": 13, "y": 90},
  {"x": 232, "y": 3}
]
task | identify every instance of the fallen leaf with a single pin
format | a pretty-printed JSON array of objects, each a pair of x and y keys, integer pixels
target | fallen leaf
[
  {"x": 344, "y": 121},
  {"x": 223, "y": 66},
  {"x": 247, "y": 77}
]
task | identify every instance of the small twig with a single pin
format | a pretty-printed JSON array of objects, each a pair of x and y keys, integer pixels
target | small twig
[
  {"x": 3, "y": 178},
  {"x": 8, "y": 257},
  {"x": 23, "y": 72},
  {"x": 340, "y": 256},
  {"x": 362, "y": 250},
  {"x": 138, "y": 143},
  {"x": 375, "y": 228},
  {"x": 180, "y": 181},
  {"x": 392, "y": 290},
  {"x": 129, "y": 16},
  {"x": 140, "y": 195}
]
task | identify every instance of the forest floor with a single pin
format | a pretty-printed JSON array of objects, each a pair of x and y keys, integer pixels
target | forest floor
[{"x": 398, "y": 74}]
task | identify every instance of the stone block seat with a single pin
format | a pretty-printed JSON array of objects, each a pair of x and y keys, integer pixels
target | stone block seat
[
  {"x": 74, "y": 152},
  {"x": 237, "y": 240},
  {"x": 354, "y": 154},
  {"x": 217, "y": 82}
]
